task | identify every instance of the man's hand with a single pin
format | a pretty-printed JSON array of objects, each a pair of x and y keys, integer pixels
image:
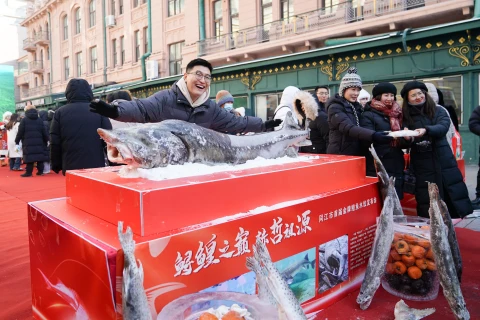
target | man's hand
[
  {"x": 104, "y": 109},
  {"x": 269, "y": 124}
]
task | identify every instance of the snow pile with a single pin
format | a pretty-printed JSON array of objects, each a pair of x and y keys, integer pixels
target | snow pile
[{"x": 198, "y": 169}]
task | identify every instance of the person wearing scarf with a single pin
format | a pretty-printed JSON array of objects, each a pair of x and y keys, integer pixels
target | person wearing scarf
[
  {"x": 384, "y": 114},
  {"x": 431, "y": 158}
]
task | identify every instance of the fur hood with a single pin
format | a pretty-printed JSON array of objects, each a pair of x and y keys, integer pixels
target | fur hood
[{"x": 305, "y": 99}]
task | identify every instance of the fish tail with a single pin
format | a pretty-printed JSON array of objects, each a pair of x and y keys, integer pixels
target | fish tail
[
  {"x": 126, "y": 239},
  {"x": 261, "y": 253}
]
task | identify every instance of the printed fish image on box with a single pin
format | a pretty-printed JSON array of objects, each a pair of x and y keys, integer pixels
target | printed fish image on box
[
  {"x": 333, "y": 266},
  {"x": 299, "y": 272},
  {"x": 244, "y": 283}
]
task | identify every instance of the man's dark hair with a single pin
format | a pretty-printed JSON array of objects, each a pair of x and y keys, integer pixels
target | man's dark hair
[
  {"x": 199, "y": 62},
  {"x": 322, "y": 87}
]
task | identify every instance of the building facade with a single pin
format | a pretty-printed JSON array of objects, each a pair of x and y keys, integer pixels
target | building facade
[{"x": 258, "y": 47}]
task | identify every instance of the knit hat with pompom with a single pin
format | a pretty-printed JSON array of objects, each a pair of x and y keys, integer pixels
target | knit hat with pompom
[{"x": 350, "y": 80}]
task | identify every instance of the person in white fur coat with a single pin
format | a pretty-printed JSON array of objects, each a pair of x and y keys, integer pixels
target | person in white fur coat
[{"x": 300, "y": 103}]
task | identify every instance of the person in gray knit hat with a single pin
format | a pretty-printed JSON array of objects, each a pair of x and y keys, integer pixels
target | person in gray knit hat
[{"x": 344, "y": 115}]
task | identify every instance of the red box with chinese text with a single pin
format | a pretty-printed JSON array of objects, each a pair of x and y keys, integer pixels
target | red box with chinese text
[
  {"x": 77, "y": 252},
  {"x": 150, "y": 207}
]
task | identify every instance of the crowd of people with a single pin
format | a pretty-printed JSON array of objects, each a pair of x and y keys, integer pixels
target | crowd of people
[{"x": 345, "y": 123}]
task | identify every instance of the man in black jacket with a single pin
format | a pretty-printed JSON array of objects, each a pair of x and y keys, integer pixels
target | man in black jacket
[
  {"x": 187, "y": 100},
  {"x": 474, "y": 126},
  {"x": 319, "y": 127},
  {"x": 75, "y": 143},
  {"x": 34, "y": 137}
]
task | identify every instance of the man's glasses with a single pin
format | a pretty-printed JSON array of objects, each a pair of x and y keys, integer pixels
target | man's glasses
[{"x": 200, "y": 76}]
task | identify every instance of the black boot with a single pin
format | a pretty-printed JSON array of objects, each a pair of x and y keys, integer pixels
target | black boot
[
  {"x": 26, "y": 175},
  {"x": 476, "y": 201}
]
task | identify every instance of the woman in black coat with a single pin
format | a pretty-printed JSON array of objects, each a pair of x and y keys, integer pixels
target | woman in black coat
[
  {"x": 34, "y": 137},
  {"x": 319, "y": 127},
  {"x": 431, "y": 158},
  {"x": 344, "y": 115},
  {"x": 383, "y": 114}
]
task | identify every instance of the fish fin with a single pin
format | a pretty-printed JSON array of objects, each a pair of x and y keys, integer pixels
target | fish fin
[
  {"x": 306, "y": 258},
  {"x": 125, "y": 283},
  {"x": 291, "y": 152},
  {"x": 290, "y": 122}
]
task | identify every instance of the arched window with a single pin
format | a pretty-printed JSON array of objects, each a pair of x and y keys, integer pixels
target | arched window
[
  {"x": 47, "y": 30},
  {"x": 91, "y": 13},
  {"x": 78, "y": 21},
  {"x": 34, "y": 34},
  {"x": 65, "y": 27},
  {"x": 41, "y": 55}
]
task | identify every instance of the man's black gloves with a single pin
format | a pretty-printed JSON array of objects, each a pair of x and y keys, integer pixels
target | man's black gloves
[
  {"x": 270, "y": 124},
  {"x": 382, "y": 137},
  {"x": 104, "y": 109}
]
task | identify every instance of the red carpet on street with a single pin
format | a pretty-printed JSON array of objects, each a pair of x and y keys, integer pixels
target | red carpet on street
[
  {"x": 15, "y": 193},
  {"x": 15, "y": 296}
]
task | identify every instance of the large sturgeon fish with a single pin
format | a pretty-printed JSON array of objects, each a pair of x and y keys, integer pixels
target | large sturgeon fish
[
  {"x": 443, "y": 257},
  {"x": 380, "y": 251},
  {"x": 176, "y": 142}
]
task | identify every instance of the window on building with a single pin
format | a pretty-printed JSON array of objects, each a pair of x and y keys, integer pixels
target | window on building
[
  {"x": 48, "y": 53},
  {"x": 217, "y": 18},
  {"x": 93, "y": 59},
  {"x": 42, "y": 81},
  {"x": 48, "y": 78},
  {"x": 330, "y": 6},
  {"x": 79, "y": 62},
  {"x": 66, "y": 67},
  {"x": 91, "y": 14},
  {"x": 234, "y": 20},
  {"x": 114, "y": 53},
  {"x": 145, "y": 40},
  {"x": 36, "y": 82},
  {"x": 136, "y": 37},
  {"x": 175, "y": 7},
  {"x": 120, "y": 6},
  {"x": 122, "y": 50},
  {"x": 78, "y": 21},
  {"x": 41, "y": 54},
  {"x": 286, "y": 10},
  {"x": 265, "y": 105},
  {"x": 135, "y": 3},
  {"x": 267, "y": 12},
  {"x": 112, "y": 7},
  {"x": 175, "y": 58},
  {"x": 65, "y": 27}
]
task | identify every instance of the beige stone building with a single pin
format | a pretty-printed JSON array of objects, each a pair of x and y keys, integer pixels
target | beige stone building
[{"x": 103, "y": 41}]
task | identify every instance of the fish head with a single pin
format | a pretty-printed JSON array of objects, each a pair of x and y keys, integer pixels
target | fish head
[{"x": 145, "y": 147}]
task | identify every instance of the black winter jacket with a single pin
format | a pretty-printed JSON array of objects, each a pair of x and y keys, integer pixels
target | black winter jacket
[
  {"x": 172, "y": 104},
  {"x": 435, "y": 162},
  {"x": 75, "y": 143},
  {"x": 474, "y": 122},
  {"x": 319, "y": 131},
  {"x": 44, "y": 116},
  {"x": 34, "y": 137},
  {"x": 345, "y": 135},
  {"x": 391, "y": 157}
]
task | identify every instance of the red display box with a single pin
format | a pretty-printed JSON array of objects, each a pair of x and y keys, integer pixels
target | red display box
[
  {"x": 150, "y": 207},
  {"x": 77, "y": 263}
]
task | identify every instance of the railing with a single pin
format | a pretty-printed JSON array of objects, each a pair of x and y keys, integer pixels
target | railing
[
  {"x": 28, "y": 44},
  {"x": 320, "y": 19},
  {"x": 42, "y": 37},
  {"x": 36, "y": 65},
  {"x": 38, "y": 91},
  {"x": 22, "y": 67},
  {"x": 24, "y": 93}
]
